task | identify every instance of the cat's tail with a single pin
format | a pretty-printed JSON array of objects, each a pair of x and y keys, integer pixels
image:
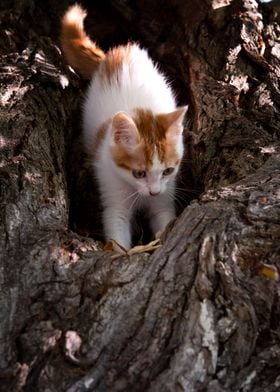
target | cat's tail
[{"x": 81, "y": 53}]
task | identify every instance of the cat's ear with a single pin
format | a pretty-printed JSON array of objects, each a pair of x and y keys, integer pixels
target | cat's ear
[
  {"x": 124, "y": 131},
  {"x": 173, "y": 122}
]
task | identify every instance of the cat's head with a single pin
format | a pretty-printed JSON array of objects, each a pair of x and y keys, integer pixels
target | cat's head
[{"x": 147, "y": 149}]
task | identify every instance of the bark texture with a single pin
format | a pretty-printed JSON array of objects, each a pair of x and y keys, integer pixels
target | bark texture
[{"x": 202, "y": 312}]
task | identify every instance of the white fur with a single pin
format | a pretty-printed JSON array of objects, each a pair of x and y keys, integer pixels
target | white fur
[{"x": 139, "y": 85}]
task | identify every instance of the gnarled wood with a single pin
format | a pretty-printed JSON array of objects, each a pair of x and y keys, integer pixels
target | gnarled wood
[{"x": 200, "y": 313}]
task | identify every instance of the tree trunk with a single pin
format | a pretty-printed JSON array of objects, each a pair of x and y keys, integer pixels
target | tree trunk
[{"x": 202, "y": 312}]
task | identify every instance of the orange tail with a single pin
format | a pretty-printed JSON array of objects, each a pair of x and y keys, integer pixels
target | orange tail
[{"x": 81, "y": 53}]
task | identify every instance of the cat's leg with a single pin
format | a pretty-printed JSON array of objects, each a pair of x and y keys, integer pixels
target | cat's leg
[
  {"x": 162, "y": 211},
  {"x": 116, "y": 222}
]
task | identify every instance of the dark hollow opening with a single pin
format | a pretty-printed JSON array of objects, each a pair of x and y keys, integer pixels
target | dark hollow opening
[{"x": 110, "y": 26}]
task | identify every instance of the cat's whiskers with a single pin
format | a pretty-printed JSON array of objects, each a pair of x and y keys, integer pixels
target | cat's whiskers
[
  {"x": 187, "y": 190},
  {"x": 134, "y": 201},
  {"x": 170, "y": 193},
  {"x": 130, "y": 196},
  {"x": 179, "y": 197}
]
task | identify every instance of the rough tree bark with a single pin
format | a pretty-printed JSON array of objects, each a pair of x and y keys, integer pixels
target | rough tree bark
[{"x": 202, "y": 312}]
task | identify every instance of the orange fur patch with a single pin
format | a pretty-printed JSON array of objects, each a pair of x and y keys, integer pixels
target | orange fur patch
[
  {"x": 152, "y": 130},
  {"x": 100, "y": 135},
  {"x": 152, "y": 134},
  {"x": 129, "y": 161},
  {"x": 114, "y": 61},
  {"x": 81, "y": 53},
  {"x": 152, "y": 140}
]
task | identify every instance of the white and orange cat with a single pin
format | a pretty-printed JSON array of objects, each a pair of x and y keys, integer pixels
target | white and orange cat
[{"x": 132, "y": 129}]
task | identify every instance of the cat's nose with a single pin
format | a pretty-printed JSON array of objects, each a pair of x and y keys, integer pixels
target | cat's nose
[{"x": 154, "y": 193}]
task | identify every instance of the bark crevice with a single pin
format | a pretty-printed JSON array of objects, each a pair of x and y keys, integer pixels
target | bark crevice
[{"x": 200, "y": 313}]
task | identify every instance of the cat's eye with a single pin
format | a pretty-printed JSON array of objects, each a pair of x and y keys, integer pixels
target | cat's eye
[
  {"x": 168, "y": 171},
  {"x": 139, "y": 173}
]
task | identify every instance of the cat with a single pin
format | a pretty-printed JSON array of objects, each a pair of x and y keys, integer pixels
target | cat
[{"x": 132, "y": 129}]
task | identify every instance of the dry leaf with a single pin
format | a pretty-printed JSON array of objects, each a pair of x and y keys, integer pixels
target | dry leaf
[
  {"x": 269, "y": 271},
  {"x": 109, "y": 246},
  {"x": 150, "y": 247},
  {"x": 114, "y": 245}
]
